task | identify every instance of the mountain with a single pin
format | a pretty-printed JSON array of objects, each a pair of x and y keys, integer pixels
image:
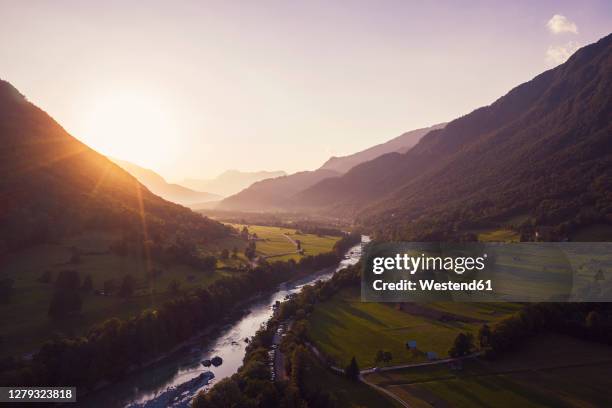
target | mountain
[
  {"x": 231, "y": 181},
  {"x": 542, "y": 150},
  {"x": 171, "y": 192},
  {"x": 277, "y": 194},
  {"x": 274, "y": 194},
  {"x": 400, "y": 144},
  {"x": 52, "y": 185}
]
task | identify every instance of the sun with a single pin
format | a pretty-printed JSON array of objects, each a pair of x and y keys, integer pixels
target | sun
[{"x": 137, "y": 127}]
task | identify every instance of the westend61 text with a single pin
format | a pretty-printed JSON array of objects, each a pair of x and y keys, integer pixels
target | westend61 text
[{"x": 432, "y": 285}]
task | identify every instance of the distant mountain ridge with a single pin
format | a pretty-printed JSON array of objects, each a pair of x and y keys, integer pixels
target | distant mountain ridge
[
  {"x": 169, "y": 191},
  {"x": 276, "y": 193},
  {"x": 231, "y": 181},
  {"x": 400, "y": 144},
  {"x": 543, "y": 149}
]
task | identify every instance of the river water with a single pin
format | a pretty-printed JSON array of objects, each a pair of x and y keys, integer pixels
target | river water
[{"x": 146, "y": 387}]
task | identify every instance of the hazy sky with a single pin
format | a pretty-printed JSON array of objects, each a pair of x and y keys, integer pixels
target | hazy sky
[{"x": 192, "y": 88}]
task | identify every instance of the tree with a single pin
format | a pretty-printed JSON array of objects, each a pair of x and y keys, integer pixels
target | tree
[
  {"x": 352, "y": 370},
  {"x": 66, "y": 298},
  {"x": 68, "y": 279},
  {"x": 383, "y": 356},
  {"x": 127, "y": 286},
  {"x": 235, "y": 252},
  {"x": 174, "y": 286},
  {"x": 224, "y": 254},
  {"x": 463, "y": 345},
  {"x": 380, "y": 356},
  {"x": 110, "y": 286},
  {"x": 6, "y": 289},
  {"x": 87, "y": 284},
  {"x": 250, "y": 250},
  {"x": 484, "y": 336},
  {"x": 298, "y": 360},
  {"x": 46, "y": 277},
  {"x": 594, "y": 320},
  {"x": 244, "y": 233},
  {"x": 387, "y": 356},
  {"x": 75, "y": 257},
  {"x": 226, "y": 393},
  {"x": 208, "y": 263}
]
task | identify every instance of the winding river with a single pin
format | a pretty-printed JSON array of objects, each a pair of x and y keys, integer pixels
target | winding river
[{"x": 147, "y": 387}]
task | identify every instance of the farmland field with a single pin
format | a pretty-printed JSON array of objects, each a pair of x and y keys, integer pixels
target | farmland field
[
  {"x": 551, "y": 370},
  {"x": 500, "y": 235},
  {"x": 24, "y": 323},
  {"x": 343, "y": 327},
  {"x": 349, "y": 394},
  {"x": 278, "y": 244}
]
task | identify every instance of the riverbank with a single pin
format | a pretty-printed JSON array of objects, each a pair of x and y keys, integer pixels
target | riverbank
[{"x": 225, "y": 339}]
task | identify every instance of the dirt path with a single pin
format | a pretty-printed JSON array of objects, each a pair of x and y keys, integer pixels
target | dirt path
[
  {"x": 385, "y": 391},
  {"x": 364, "y": 373},
  {"x": 290, "y": 239}
]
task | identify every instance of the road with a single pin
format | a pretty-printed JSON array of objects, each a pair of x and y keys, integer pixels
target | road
[
  {"x": 365, "y": 372},
  {"x": 279, "y": 358}
]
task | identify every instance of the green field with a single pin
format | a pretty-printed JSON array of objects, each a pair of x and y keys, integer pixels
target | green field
[
  {"x": 276, "y": 243},
  {"x": 551, "y": 370},
  {"x": 348, "y": 394},
  {"x": 343, "y": 327},
  {"x": 500, "y": 235},
  {"x": 24, "y": 323}
]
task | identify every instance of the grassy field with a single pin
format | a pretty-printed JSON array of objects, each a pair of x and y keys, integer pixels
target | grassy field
[
  {"x": 348, "y": 394},
  {"x": 277, "y": 243},
  {"x": 500, "y": 235},
  {"x": 343, "y": 327},
  {"x": 551, "y": 370},
  {"x": 24, "y": 323}
]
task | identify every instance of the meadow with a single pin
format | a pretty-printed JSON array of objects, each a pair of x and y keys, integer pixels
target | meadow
[
  {"x": 24, "y": 322},
  {"x": 343, "y": 327},
  {"x": 499, "y": 235},
  {"x": 278, "y": 243},
  {"x": 349, "y": 394},
  {"x": 550, "y": 370}
]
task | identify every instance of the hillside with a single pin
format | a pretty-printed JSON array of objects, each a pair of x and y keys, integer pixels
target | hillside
[
  {"x": 231, "y": 181},
  {"x": 169, "y": 191},
  {"x": 543, "y": 150},
  {"x": 400, "y": 144},
  {"x": 274, "y": 194},
  {"x": 52, "y": 186},
  {"x": 278, "y": 193}
]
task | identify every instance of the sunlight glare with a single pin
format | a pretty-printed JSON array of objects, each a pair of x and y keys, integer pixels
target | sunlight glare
[{"x": 133, "y": 127}]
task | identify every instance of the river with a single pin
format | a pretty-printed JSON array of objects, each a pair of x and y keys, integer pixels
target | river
[{"x": 146, "y": 387}]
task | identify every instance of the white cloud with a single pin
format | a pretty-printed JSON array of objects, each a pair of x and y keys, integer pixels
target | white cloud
[
  {"x": 560, "y": 24},
  {"x": 558, "y": 54}
]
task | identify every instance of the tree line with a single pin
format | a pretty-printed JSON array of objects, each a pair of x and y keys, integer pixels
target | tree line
[
  {"x": 252, "y": 385},
  {"x": 110, "y": 349}
]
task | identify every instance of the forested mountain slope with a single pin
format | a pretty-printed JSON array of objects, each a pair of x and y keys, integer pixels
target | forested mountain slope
[
  {"x": 52, "y": 185},
  {"x": 399, "y": 144},
  {"x": 543, "y": 149}
]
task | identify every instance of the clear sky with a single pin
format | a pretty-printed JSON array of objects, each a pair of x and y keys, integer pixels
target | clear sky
[{"x": 192, "y": 88}]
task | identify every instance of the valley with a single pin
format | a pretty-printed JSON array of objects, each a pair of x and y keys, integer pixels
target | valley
[{"x": 204, "y": 277}]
